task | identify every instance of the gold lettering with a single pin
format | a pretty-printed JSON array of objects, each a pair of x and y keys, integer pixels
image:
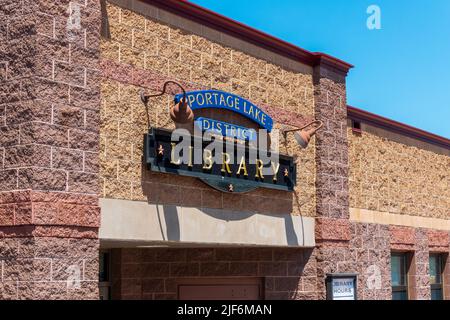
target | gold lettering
[
  {"x": 257, "y": 111},
  {"x": 259, "y": 168},
  {"x": 191, "y": 99},
  {"x": 202, "y": 99},
  {"x": 250, "y": 111},
  {"x": 215, "y": 94},
  {"x": 233, "y": 132},
  {"x": 172, "y": 155},
  {"x": 222, "y": 101},
  {"x": 226, "y": 128},
  {"x": 236, "y": 103},
  {"x": 230, "y": 101},
  {"x": 206, "y": 124},
  {"x": 242, "y": 166},
  {"x": 208, "y": 97},
  {"x": 275, "y": 169},
  {"x": 239, "y": 133},
  {"x": 207, "y": 159},
  {"x": 226, "y": 162}
]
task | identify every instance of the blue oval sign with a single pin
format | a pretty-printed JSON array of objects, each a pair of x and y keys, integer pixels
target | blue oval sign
[{"x": 228, "y": 101}]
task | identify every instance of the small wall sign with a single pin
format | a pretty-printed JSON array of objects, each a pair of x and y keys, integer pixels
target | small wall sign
[
  {"x": 224, "y": 100},
  {"x": 341, "y": 286}
]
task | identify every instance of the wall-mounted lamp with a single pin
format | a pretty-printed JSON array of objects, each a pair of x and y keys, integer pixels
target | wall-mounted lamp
[
  {"x": 180, "y": 113},
  {"x": 305, "y": 135}
]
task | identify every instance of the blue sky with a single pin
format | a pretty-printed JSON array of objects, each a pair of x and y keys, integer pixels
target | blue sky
[{"x": 401, "y": 71}]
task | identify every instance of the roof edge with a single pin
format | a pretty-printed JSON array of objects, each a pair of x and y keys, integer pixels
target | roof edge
[
  {"x": 402, "y": 128},
  {"x": 244, "y": 32}
]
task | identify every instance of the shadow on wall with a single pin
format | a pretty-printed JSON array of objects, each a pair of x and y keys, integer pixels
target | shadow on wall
[
  {"x": 169, "y": 220},
  {"x": 104, "y": 30},
  {"x": 172, "y": 222},
  {"x": 171, "y": 229}
]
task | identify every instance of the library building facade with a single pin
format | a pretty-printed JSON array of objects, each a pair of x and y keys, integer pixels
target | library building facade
[{"x": 157, "y": 150}]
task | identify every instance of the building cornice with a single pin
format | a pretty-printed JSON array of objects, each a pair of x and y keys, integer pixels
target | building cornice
[
  {"x": 239, "y": 30},
  {"x": 404, "y": 129}
]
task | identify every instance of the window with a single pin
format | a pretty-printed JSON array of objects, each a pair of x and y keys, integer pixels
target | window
[
  {"x": 436, "y": 268},
  {"x": 356, "y": 126},
  {"x": 399, "y": 278}
]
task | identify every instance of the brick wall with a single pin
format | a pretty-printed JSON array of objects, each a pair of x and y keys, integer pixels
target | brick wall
[
  {"x": 153, "y": 273},
  {"x": 370, "y": 248},
  {"x": 366, "y": 249},
  {"x": 390, "y": 176},
  {"x": 287, "y": 273},
  {"x": 142, "y": 52},
  {"x": 333, "y": 231},
  {"x": 415, "y": 242},
  {"x": 49, "y": 124}
]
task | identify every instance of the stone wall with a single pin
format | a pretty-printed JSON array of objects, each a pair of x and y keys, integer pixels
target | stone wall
[
  {"x": 49, "y": 123},
  {"x": 332, "y": 227},
  {"x": 140, "y": 52},
  {"x": 390, "y": 176},
  {"x": 370, "y": 249},
  {"x": 48, "y": 267},
  {"x": 153, "y": 273},
  {"x": 391, "y": 173},
  {"x": 400, "y": 176},
  {"x": 288, "y": 273}
]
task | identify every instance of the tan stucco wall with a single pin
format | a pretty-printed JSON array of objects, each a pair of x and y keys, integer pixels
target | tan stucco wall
[
  {"x": 147, "y": 44},
  {"x": 395, "y": 174}
]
